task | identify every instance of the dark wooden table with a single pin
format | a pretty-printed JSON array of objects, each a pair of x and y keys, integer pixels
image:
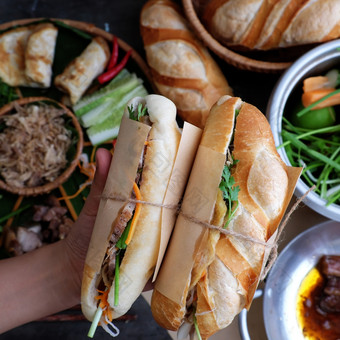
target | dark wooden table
[{"x": 122, "y": 19}]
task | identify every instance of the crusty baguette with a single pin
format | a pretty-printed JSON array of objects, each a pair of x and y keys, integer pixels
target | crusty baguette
[
  {"x": 267, "y": 24},
  {"x": 227, "y": 269},
  {"x": 141, "y": 254},
  {"x": 181, "y": 66}
]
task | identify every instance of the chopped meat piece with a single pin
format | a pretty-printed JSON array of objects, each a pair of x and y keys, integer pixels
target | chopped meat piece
[
  {"x": 330, "y": 303},
  {"x": 333, "y": 286},
  {"x": 330, "y": 265},
  {"x": 54, "y": 225},
  {"x": 121, "y": 222},
  {"x": 119, "y": 225},
  {"x": 28, "y": 239}
]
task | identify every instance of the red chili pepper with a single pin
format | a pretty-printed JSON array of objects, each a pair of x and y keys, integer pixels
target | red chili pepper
[
  {"x": 108, "y": 75},
  {"x": 114, "y": 54}
]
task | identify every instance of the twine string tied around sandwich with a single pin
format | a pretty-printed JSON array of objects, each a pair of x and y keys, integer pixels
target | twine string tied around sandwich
[{"x": 272, "y": 246}]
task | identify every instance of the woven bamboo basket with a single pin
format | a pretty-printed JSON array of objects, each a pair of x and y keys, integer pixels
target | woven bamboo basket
[{"x": 66, "y": 173}]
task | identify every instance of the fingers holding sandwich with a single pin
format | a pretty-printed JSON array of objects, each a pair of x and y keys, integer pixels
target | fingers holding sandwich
[{"x": 78, "y": 241}]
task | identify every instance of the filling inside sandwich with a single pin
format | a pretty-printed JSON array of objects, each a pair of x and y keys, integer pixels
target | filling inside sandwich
[{"x": 122, "y": 232}]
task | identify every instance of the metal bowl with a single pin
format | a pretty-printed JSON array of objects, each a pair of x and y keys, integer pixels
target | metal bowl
[
  {"x": 284, "y": 280},
  {"x": 315, "y": 62}
]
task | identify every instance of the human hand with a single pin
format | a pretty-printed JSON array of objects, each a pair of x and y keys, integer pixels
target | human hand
[{"x": 78, "y": 240}]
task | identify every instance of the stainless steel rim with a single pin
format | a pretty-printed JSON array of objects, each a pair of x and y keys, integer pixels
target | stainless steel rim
[{"x": 312, "y": 62}]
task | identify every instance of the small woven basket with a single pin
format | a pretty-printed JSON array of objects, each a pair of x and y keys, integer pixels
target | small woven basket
[
  {"x": 231, "y": 57},
  {"x": 66, "y": 173}
]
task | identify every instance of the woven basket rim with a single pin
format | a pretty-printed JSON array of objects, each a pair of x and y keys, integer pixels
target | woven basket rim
[
  {"x": 231, "y": 57},
  {"x": 42, "y": 189}
]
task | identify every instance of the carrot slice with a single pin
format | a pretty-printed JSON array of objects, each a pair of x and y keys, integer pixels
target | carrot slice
[
  {"x": 136, "y": 214},
  {"x": 15, "y": 208},
  {"x": 103, "y": 303},
  {"x": 315, "y": 83},
  {"x": 311, "y": 97}
]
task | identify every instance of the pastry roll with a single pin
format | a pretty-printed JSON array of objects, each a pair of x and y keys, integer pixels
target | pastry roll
[
  {"x": 39, "y": 55},
  {"x": 79, "y": 74},
  {"x": 12, "y": 55}
]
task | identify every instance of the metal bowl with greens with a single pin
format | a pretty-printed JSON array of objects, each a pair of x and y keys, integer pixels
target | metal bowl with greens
[{"x": 303, "y": 112}]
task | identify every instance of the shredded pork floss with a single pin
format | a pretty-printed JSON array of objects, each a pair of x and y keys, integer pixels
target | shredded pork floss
[{"x": 33, "y": 145}]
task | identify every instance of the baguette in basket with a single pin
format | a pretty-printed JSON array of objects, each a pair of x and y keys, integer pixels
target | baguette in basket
[
  {"x": 237, "y": 193},
  {"x": 182, "y": 68},
  {"x": 267, "y": 24}
]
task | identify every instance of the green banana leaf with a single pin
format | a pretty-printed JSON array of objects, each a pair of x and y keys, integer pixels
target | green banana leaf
[{"x": 70, "y": 43}]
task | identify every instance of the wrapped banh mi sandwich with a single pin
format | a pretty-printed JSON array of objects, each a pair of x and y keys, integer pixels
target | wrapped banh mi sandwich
[
  {"x": 125, "y": 243},
  {"x": 237, "y": 193},
  {"x": 39, "y": 55},
  {"x": 181, "y": 67},
  {"x": 79, "y": 74}
]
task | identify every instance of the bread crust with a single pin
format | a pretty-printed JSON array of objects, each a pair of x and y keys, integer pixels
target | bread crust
[
  {"x": 181, "y": 66},
  {"x": 268, "y": 24},
  {"x": 228, "y": 282}
]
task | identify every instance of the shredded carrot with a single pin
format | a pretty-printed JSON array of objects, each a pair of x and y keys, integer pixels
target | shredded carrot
[
  {"x": 103, "y": 303},
  {"x": 136, "y": 214},
  {"x": 92, "y": 154},
  {"x": 10, "y": 220},
  {"x": 315, "y": 83},
  {"x": 146, "y": 143},
  {"x": 114, "y": 142},
  {"x": 68, "y": 203},
  {"x": 15, "y": 208},
  {"x": 311, "y": 97},
  {"x": 88, "y": 170}
]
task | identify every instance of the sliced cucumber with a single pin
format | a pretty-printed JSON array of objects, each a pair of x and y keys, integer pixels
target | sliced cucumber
[
  {"x": 81, "y": 106},
  {"x": 101, "y": 107},
  {"x": 108, "y": 129}
]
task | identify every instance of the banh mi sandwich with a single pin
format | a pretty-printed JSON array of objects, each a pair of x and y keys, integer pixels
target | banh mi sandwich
[
  {"x": 238, "y": 184},
  {"x": 39, "y": 55},
  {"x": 124, "y": 244},
  {"x": 79, "y": 74}
]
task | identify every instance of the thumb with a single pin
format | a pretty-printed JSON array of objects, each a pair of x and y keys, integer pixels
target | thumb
[
  {"x": 80, "y": 235},
  {"x": 103, "y": 161}
]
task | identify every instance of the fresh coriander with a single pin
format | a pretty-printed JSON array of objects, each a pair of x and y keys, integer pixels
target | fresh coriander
[
  {"x": 230, "y": 192},
  {"x": 141, "y": 111}
]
